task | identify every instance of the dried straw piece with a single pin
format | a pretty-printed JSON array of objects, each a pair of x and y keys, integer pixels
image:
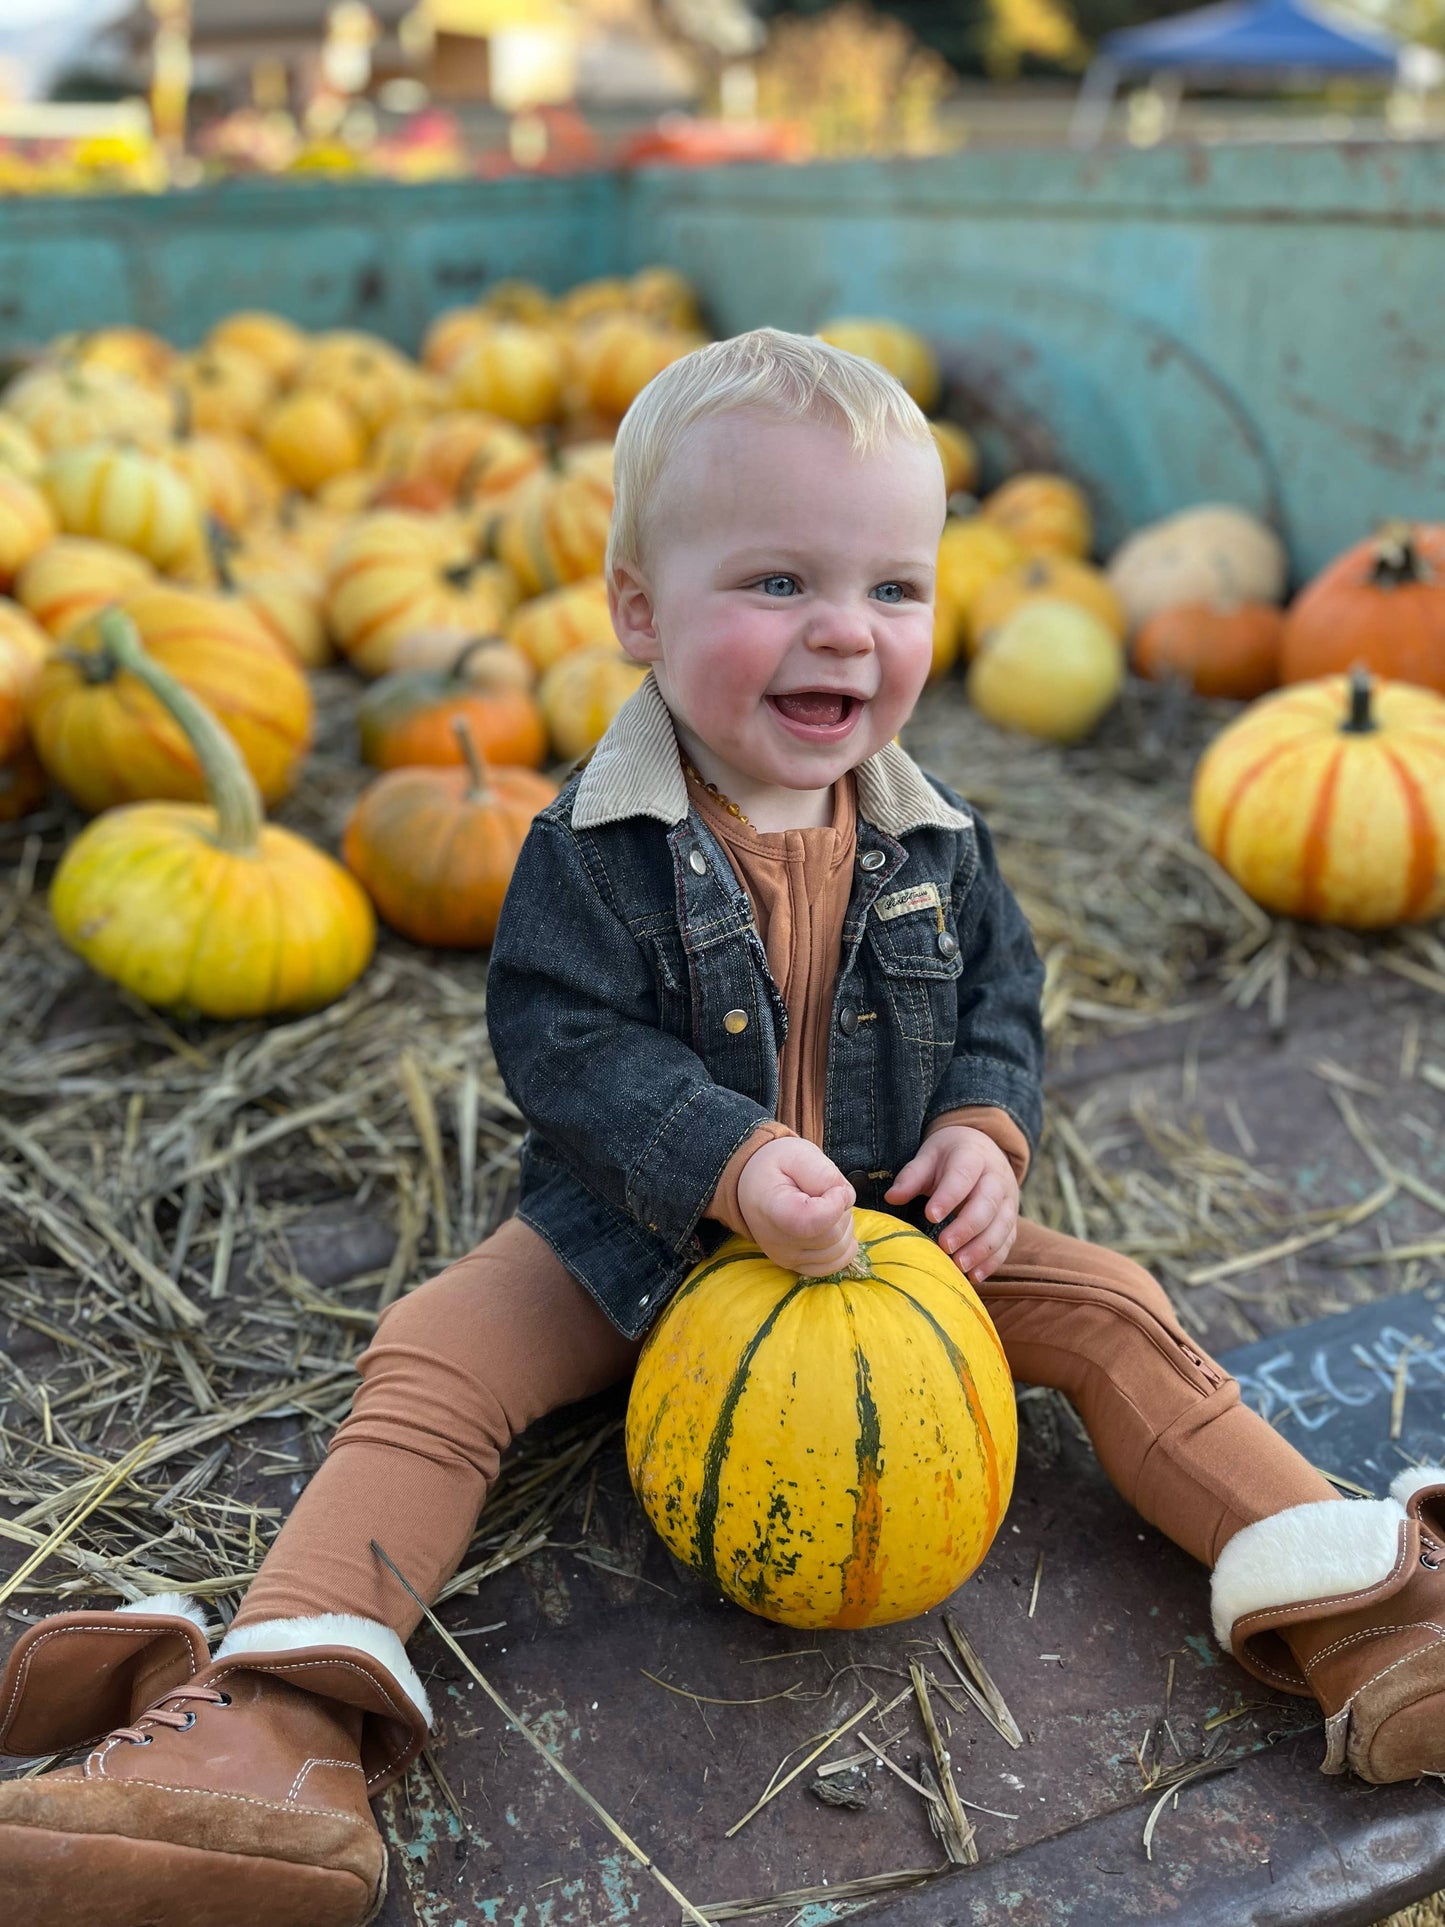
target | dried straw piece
[
  {"x": 958, "y": 1837},
  {"x": 775, "y": 1786},
  {"x": 981, "y": 1688}
]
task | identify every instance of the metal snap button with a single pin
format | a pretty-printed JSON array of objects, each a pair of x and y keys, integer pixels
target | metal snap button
[
  {"x": 872, "y": 860},
  {"x": 735, "y": 1021},
  {"x": 847, "y": 1020},
  {"x": 856, "y": 1178},
  {"x": 697, "y": 863},
  {"x": 947, "y": 943}
]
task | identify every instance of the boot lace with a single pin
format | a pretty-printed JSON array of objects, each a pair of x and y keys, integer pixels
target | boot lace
[{"x": 180, "y": 1719}]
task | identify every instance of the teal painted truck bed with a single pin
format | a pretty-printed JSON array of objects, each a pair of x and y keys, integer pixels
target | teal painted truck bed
[{"x": 1256, "y": 323}]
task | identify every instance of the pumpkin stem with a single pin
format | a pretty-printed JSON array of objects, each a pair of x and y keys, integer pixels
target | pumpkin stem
[
  {"x": 457, "y": 670},
  {"x": 858, "y": 1266},
  {"x": 460, "y": 573},
  {"x": 1361, "y": 720},
  {"x": 229, "y": 784},
  {"x": 480, "y": 791},
  {"x": 1398, "y": 561}
]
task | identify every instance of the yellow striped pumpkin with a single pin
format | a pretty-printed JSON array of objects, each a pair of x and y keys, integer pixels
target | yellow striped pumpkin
[
  {"x": 1326, "y": 801},
  {"x": 394, "y": 574},
  {"x": 74, "y": 576},
  {"x": 553, "y": 528},
  {"x": 27, "y": 523},
  {"x": 124, "y": 495},
  {"x": 828, "y": 1451}
]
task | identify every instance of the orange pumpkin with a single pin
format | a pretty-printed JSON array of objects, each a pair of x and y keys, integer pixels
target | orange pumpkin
[
  {"x": 22, "y": 785},
  {"x": 1041, "y": 511},
  {"x": 553, "y": 625},
  {"x": 27, "y": 523},
  {"x": 1044, "y": 574},
  {"x": 278, "y": 344},
  {"x": 73, "y": 576},
  {"x": 434, "y": 849},
  {"x": 24, "y": 646},
  {"x": 409, "y": 717},
  {"x": 1380, "y": 605},
  {"x": 224, "y": 390},
  {"x": 106, "y": 739},
  {"x": 555, "y": 527},
  {"x": 125, "y": 496},
  {"x": 1221, "y": 651},
  {"x": 66, "y": 405},
  {"x": 394, "y": 572},
  {"x": 310, "y": 436},
  {"x": 1325, "y": 801},
  {"x": 513, "y": 371}
]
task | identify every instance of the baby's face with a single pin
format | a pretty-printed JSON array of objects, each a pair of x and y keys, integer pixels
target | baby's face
[{"x": 786, "y": 598}]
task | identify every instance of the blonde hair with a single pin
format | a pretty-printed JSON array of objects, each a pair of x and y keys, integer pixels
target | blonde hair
[{"x": 787, "y": 377}]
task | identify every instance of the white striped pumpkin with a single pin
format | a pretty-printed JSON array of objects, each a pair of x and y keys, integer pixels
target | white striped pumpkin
[{"x": 828, "y": 1451}]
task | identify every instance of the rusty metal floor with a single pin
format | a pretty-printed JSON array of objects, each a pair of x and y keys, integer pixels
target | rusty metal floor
[{"x": 1087, "y": 1675}]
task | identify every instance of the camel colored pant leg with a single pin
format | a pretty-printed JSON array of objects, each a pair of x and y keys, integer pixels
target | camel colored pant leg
[
  {"x": 1166, "y": 1421},
  {"x": 455, "y": 1371}
]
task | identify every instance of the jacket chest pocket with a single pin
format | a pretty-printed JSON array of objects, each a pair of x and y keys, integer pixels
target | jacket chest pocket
[{"x": 919, "y": 965}]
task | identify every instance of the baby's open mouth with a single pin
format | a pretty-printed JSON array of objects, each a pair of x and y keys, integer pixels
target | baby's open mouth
[{"x": 820, "y": 708}]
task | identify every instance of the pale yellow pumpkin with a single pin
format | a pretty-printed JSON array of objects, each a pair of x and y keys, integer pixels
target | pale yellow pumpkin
[
  {"x": 835, "y": 1451},
  {"x": 27, "y": 523},
  {"x": 371, "y": 378},
  {"x": 73, "y": 576},
  {"x": 125, "y": 496},
  {"x": 278, "y": 344},
  {"x": 20, "y": 453},
  {"x": 562, "y": 621},
  {"x": 394, "y": 573},
  {"x": 512, "y": 371},
  {"x": 902, "y": 351},
  {"x": 958, "y": 452},
  {"x": 581, "y": 693},
  {"x": 1042, "y": 511},
  {"x": 65, "y": 406},
  {"x": 1052, "y": 669},
  {"x": 229, "y": 477},
  {"x": 614, "y": 358},
  {"x": 310, "y": 436},
  {"x": 224, "y": 390},
  {"x": 24, "y": 645},
  {"x": 1046, "y": 574},
  {"x": 1326, "y": 801},
  {"x": 971, "y": 553},
  {"x": 1214, "y": 554}
]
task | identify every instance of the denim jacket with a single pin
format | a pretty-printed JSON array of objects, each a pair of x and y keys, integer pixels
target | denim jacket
[{"x": 637, "y": 1026}]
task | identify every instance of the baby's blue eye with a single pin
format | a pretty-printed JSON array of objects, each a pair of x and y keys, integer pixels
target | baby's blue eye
[
  {"x": 779, "y": 585},
  {"x": 890, "y": 591}
]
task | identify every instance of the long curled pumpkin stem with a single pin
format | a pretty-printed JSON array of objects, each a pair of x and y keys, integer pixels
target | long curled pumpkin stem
[{"x": 229, "y": 784}]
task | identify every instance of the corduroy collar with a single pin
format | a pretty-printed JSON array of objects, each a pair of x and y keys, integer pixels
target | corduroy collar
[{"x": 636, "y": 771}]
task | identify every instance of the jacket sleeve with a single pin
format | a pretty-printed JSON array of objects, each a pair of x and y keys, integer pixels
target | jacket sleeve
[
  {"x": 998, "y": 1051},
  {"x": 572, "y": 1012}
]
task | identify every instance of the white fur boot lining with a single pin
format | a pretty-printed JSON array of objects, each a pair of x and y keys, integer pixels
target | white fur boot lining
[
  {"x": 367, "y": 1636},
  {"x": 1314, "y": 1551},
  {"x": 175, "y": 1605}
]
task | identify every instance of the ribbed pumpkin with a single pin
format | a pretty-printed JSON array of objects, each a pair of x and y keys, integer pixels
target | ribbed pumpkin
[
  {"x": 614, "y": 359},
  {"x": 65, "y": 406},
  {"x": 582, "y": 693},
  {"x": 283, "y": 589},
  {"x": 393, "y": 573},
  {"x": 555, "y": 528},
  {"x": 467, "y": 455},
  {"x": 411, "y": 718},
  {"x": 20, "y": 453},
  {"x": 664, "y": 296},
  {"x": 137, "y": 353},
  {"x": 206, "y": 907},
  {"x": 562, "y": 621},
  {"x": 435, "y": 848},
  {"x": 971, "y": 554},
  {"x": 224, "y": 390},
  {"x": 27, "y": 523},
  {"x": 230, "y": 478},
  {"x": 1051, "y": 669},
  {"x": 278, "y": 344},
  {"x": 106, "y": 739},
  {"x": 1046, "y": 574},
  {"x": 1326, "y": 801},
  {"x": 959, "y": 454},
  {"x": 1381, "y": 605},
  {"x": 1219, "y": 651},
  {"x": 370, "y": 377},
  {"x": 24, "y": 646},
  {"x": 73, "y": 576},
  {"x": 834, "y": 1451},
  {"x": 512, "y": 371},
  {"x": 310, "y": 436},
  {"x": 516, "y": 300},
  {"x": 900, "y": 350},
  {"x": 450, "y": 335},
  {"x": 125, "y": 496},
  {"x": 1042, "y": 511}
]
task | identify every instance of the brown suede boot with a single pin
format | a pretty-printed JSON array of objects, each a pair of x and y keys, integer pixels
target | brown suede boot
[
  {"x": 1345, "y": 1601},
  {"x": 237, "y": 1797}
]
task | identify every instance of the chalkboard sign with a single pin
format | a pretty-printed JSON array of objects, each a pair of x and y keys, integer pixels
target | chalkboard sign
[{"x": 1333, "y": 1388}]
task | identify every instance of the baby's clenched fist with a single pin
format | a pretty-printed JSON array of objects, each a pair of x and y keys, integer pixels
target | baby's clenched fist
[{"x": 799, "y": 1207}]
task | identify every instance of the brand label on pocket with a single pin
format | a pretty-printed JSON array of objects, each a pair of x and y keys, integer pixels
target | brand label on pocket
[{"x": 918, "y": 896}]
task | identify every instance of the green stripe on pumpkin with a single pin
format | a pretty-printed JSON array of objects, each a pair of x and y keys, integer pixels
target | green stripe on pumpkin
[
  {"x": 861, "y": 1573},
  {"x": 988, "y": 1452}
]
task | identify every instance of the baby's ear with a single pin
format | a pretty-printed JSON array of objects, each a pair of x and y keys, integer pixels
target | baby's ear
[{"x": 630, "y": 601}]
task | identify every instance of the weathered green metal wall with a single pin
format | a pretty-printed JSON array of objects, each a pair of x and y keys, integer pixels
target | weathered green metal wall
[{"x": 1258, "y": 323}]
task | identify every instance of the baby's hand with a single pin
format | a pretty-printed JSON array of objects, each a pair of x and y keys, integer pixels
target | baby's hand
[
  {"x": 799, "y": 1207},
  {"x": 961, "y": 1166}
]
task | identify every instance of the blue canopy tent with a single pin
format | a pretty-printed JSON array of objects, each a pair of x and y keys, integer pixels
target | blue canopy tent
[{"x": 1246, "y": 40}]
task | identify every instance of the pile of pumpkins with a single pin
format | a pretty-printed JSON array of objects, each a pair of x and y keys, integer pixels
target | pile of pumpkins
[{"x": 189, "y": 534}]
